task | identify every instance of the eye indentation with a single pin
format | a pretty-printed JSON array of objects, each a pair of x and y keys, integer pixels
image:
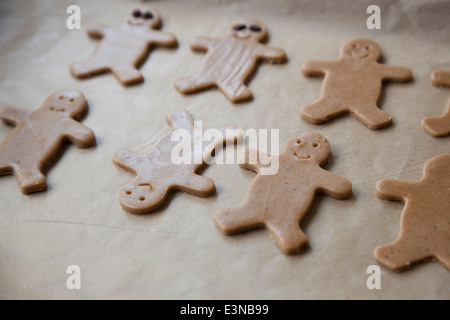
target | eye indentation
[
  {"x": 137, "y": 13},
  {"x": 128, "y": 192},
  {"x": 298, "y": 141},
  {"x": 240, "y": 27},
  {"x": 315, "y": 144},
  {"x": 71, "y": 99},
  {"x": 255, "y": 28},
  {"x": 148, "y": 15},
  {"x": 61, "y": 97},
  {"x": 141, "y": 198}
]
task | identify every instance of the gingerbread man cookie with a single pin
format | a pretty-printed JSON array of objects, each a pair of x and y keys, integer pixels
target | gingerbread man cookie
[
  {"x": 230, "y": 61},
  {"x": 439, "y": 126},
  {"x": 352, "y": 84},
  {"x": 157, "y": 174},
  {"x": 425, "y": 222},
  {"x": 280, "y": 201},
  {"x": 124, "y": 48},
  {"x": 38, "y": 136}
]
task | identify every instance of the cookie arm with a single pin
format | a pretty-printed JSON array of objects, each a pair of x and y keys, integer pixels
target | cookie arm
[
  {"x": 219, "y": 137},
  {"x": 272, "y": 53},
  {"x": 394, "y": 73},
  {"x": 12, "y": 115},
  {"x": 128, "y": 160},
  {"x": 388, "y": 189},
  {"x": 252, "y": 159},
  {"x": 78, "y": 134},
  {"x": 96, "y": 30},
  {"x": 315, "y": 68},
  {"x": 163, "y": 38},
  {"x": 440, "y": 78},
  {"x": 180, "y": 119},
  {"x": 200, "y": 43},
  {"x": 335, "y": 186}
]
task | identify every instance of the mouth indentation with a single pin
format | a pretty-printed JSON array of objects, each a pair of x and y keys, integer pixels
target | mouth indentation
[
  {"x": 243, "y": 35},
  {"x": 135, "y": 23},
  {"x": 359, "y": 55},
  {"x": 148, "y": 185},
  {"x": 53, "y": 108},
  {"x": 302, "y": 157}
]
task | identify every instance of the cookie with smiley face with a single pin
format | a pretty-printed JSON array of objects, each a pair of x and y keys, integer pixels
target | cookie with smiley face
[
  {"x": 39, "y": 135},
  {"x": 157, "y": 174},
  {"x": 352, "y": 84},
  {"x": 124, "y": 48},
  {"x": 280, "y": 201},
  {"x": 230, "y": 60}
]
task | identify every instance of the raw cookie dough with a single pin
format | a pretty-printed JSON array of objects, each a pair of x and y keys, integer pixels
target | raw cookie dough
[
  {"x": 230, "y": 61},
  {"x": 124, "y": 48},
  {"x": 439, "y": 126},
  {"x": 441, "y": 78},
  {"x": 38, "y": 136},
  {"x": 425, "y": 222},
  {"x": 352, "y": 84},
  {"x": 280, "y": 201},
  {"x": 157, "y": 174}
]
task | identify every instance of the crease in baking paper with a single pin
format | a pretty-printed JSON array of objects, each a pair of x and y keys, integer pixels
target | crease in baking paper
[{"x": 104, "y": 226}]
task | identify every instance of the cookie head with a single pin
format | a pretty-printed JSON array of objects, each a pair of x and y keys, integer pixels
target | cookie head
[
  {"x": 136, "y": 196},
  {"x": 362, "y": 49},
  {"x": 438, "y": 166},
  {"x": 148, "y": 18},
  {"x": 70, "y": 103},
  {"x": 249, "y": 29},
  {"x": 308, "y": 147}
]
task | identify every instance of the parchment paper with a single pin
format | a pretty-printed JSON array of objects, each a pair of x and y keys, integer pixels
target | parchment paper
[{"x": 178, "y": 252}]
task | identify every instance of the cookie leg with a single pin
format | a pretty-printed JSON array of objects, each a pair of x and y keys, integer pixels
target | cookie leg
[
  {"x": 197, "y": 185},
  {"x": 127, "y": 75},
  {"x": 322, "y": 111},
  {"x": 235, "y": 91},
  {"x": 5, "y": 169},
  {"x": 234, "y": 220},
  {"x": 30, "y": 180},
  {"x": 289, "y": 237},
  {"x": 88, "y": 68},
  {"x": 401, "y": 254},
  {"x": 439, "y": 126},
  {"x": 371, "y": 116},
  {"x": 193, "y": 83}
]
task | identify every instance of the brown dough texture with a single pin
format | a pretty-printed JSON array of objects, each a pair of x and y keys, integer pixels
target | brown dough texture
[
  {"x": 230, "y": 60},
  {"x": 39, "y": 135},
  {"x": 441, "y": 78},
  {"x": 439, "y": 126},
  {"x": 157, "y": 175},
  {"x": 125, "y": 47},
  {"x": 425, "y": 222},
  {"x": 280, "y": 201},
  {"x": 352, "y": 84}
]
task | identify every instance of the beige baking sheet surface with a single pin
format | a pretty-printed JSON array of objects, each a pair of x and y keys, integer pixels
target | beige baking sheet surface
[{"x": 178, "y": 252}]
